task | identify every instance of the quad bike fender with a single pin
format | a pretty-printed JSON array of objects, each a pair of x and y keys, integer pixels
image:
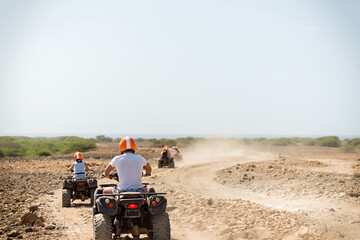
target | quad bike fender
[
  {"x": 107, "y": 206},
  {"x": 68, "y": 184},
  {"x": 92, "y": 183},
  {"x": 157, "y": 204}
]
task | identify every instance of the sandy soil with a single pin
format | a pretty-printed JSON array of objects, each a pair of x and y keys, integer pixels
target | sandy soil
[{"x": 216, "y": 192}]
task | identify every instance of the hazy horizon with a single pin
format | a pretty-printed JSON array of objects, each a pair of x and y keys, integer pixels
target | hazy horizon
[{"x": 174, "y": 136}]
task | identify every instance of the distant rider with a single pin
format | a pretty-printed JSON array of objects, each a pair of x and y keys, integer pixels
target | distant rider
[
  {"x": 175, "y": 151},
  {"x": 129, "y": 167},
  {"x": 79, "y": 166},
  {"x": 165, "y": 154}
]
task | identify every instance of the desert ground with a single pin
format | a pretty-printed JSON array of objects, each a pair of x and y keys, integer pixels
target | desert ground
[{"x": 218, "y": 191}]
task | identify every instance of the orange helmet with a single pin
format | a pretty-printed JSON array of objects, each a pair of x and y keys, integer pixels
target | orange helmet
[
  {"x": 127, "y": 143},
  {"x": 78, "y": 155},
  {"x": 166, "y": 148}
]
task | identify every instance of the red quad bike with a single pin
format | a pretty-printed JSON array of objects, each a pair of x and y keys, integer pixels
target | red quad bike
[
  {"x": 132, "y": 213},
  {"x": 79, "y": 188}
]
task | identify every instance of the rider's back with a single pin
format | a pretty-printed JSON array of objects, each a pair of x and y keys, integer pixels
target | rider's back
[
  {"x": 79, "y": 169},
  {"x": 129, "y": 168}
]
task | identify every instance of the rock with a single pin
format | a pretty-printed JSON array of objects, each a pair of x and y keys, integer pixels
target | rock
[
  {"x": 303, "y": 232},
  {"x": 39, "y": 223},
  {"x": 51, "y": 193},
  {"x": 14, "y": 233},
  {"x": 210, "y": 201},
  {"x": 30, "y": 229},
  {"x": 29, "y": 218},
  {"x": 169, "y": 209},
  {"x": 352, "y": 222},
  {"x": 33, "y": 208},
  {"x": 50, "y": 227}
]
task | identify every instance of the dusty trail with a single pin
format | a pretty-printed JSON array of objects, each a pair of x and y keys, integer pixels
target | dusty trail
[
  {"x": 338, "y": 215},
  {"x": 202, "y": 208}
]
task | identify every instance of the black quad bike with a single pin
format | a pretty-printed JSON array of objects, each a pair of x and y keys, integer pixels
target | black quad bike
[
  {"x": 166, "y": 162},
  {"x": 132, "y": 213},
  {"x": 79, "y": 188}
]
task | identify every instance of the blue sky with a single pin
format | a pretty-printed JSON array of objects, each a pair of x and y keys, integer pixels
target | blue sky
[{"x": 184, "y": 67}]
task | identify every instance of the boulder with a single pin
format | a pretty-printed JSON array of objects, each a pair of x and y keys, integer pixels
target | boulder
[{"x": 29, "y": 218}]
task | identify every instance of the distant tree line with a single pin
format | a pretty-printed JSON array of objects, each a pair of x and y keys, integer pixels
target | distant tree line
[{"x": 25, "y": 146}]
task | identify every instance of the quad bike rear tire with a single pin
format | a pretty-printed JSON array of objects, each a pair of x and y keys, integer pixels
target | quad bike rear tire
[
  {"x": 92, "y": 196},
  {"x": 160, "y": 164},
  {"x": 171, "y": 164},
  {"x": 66, "y": 197},
  {"x": 102, "y": 227},
  {"x": 161, "y": 227}
]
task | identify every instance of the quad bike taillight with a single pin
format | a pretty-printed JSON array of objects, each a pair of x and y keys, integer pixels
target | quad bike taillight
[
  {"x": 80, "y": 183},
  {"x": 133, "y": 205},
  {"x": 154, "y": 204}
]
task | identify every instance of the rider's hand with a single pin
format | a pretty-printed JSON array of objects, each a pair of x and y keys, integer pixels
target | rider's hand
[{"x": 104, "y": 175}]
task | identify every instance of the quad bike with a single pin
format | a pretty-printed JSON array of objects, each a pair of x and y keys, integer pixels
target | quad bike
[
  {"x": 78, "y": 188},
  {"x": 132, "y": 213},
  {"x": 166, "y": 162}
]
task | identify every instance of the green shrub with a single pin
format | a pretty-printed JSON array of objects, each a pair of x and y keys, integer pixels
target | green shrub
[
  {"x": 282, "y": 141},
  {"x": 102, "y": 138},
  {"x": 164, "y": 142},
  {"x": 309, "y": 142},
  {"x": 347, "y": 148},
  {"x": 2, "y": 154},
  {"x": 79, "y": 146},
  {"x": 331, "y": 141},
  {"x": 23, "y": 146},
  {"x": 44, "y": 152}
]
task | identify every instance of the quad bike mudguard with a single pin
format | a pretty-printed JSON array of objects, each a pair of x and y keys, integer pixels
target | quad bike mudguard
[
  {"x": 68, "y": 184},
  {"x": 107, "y": 206},
  {"x": 157, "y": 204},
  {"x": 92, "y": 183}
]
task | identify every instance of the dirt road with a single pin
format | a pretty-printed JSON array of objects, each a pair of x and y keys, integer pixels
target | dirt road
[{"x": 239, "y": 195}]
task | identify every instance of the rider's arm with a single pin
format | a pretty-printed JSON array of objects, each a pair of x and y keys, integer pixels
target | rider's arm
[
  {"x": 108, "y": 170},
  {"x": 147, "y": 169},
  {"x": 71, "y": 168},
  {"x": 87, "y": 167}
]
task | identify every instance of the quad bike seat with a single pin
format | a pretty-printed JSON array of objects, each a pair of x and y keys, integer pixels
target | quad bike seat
[
  {"x": 126, "y": 195},
  {"x": 80, "y": 179}
]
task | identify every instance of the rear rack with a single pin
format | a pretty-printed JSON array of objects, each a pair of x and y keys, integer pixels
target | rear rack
[{"x": 125, "y": 193}]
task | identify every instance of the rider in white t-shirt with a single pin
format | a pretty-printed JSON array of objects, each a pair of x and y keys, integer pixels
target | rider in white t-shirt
[{"x": 129, "y": 167}]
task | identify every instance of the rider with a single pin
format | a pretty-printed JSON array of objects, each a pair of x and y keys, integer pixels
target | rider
[
  {"x": 165, "y": 155},
  {"x": 79, "y": 166},
  {"x": 175, "y": 151},
  {"x": 128, "y": 166}
]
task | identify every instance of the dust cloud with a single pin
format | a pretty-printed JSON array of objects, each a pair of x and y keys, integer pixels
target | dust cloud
[{"x": 215, "y": 150}]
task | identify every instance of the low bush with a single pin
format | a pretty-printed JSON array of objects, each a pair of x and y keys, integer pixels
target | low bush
[
  {"x": 348, "y": 148},
  {"x": 23, "y": 146},
  {"x": 331, "y": 141}
]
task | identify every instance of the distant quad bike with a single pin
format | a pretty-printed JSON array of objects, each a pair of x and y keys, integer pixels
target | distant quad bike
[
  {"x": 132, "y": 213},
  {"x": 79, "y": 188},
  {"x": 163, "y": 162}
]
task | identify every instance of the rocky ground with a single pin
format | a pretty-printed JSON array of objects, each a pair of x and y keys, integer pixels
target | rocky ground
[{"x": 262, "y": 193}]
